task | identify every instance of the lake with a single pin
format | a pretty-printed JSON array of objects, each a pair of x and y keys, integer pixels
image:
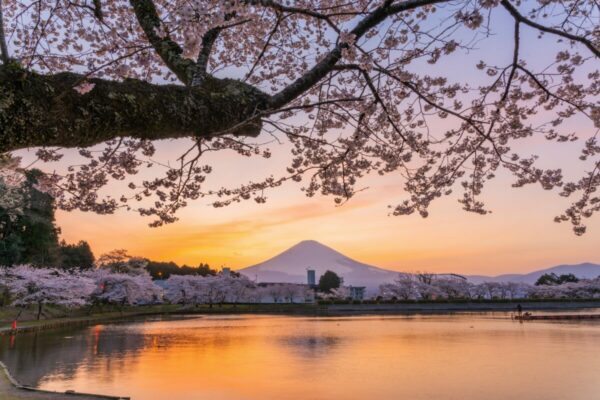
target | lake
[{"x": 461, "y": 356}]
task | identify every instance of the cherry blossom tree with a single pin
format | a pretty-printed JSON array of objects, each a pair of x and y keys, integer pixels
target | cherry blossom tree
[
  {"x": 124, "y": 289},
  {"x": 193, "y": 289},
  {"x": 36, "y": 286},
  {"x": 354, "y": 87},
  {"x": 255, "y": 295},
  {"x": 340, "y": 293},
  {"x": 214, "y": 289},
  {"x": 584, "y": 289},
  {"x": 274, "y": 291},
  {"x": 239, "y": 289},
  {"x": 299, "y": 293},
  {"x": 181, "y": 289},
  {"x": 453, "y": 288},
  {"x": 404, "y": 288},
  {"x": 413, "y": 287}
]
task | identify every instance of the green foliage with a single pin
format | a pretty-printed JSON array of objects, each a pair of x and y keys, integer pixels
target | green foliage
[
  {"x": 11, "y": 246},
  {"x": 328, "y": 281},
  {"x": 76, "y": 256},
  {"x": 163, "y": 270},
  {"x": 31, "y": 237},
  {"x": 202, "y": 269},
  {"x": 553, "y": 279}
]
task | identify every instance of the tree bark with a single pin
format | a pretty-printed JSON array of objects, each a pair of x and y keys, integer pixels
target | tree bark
[{"x": 45, "y": 110}]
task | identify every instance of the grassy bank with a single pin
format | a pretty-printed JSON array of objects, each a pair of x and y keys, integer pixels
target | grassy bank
[
  {"x": 61, "y": 317},
  {"x": 55, "y": 317},
  {"x": 29, "y": 314}
]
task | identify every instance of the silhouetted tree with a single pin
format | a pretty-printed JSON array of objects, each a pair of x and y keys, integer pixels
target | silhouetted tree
[
  {"x": 163, "y": 270},
  {"x": 78, "y": 255},
  {"x": 553, "y": 279},
  {"x": 205, "y": 270},
  {"x": 11, "y": 246},
  {"x": 328, "y": 281},
  {"x": 30, "y": 237}
]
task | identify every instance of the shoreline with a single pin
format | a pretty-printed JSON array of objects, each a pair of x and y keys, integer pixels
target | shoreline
[
  {"x": 452, "y": 307},
  {"x": 83, "y": 320},
  {"x": 10, "y": 389},
  {"x": 317, "y": 310}
]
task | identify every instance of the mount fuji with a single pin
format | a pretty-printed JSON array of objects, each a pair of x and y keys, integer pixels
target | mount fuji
[{"x": 291, "y": 265}]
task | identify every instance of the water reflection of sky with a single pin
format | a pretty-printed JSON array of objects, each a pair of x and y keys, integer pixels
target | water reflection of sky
[{"x": 258, "y": 357}]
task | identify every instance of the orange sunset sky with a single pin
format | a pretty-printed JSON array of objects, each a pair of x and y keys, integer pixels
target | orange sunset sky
[{"x": 518, "y": 236}]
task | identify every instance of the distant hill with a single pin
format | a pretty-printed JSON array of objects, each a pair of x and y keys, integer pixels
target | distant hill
[
  {"x": 584, "y": 270},
  {"x": 291, "y": 265}
]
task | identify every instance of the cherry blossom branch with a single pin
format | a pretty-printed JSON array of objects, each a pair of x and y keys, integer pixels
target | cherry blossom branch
[
  {"x": 168, "y": 50},
  {"x": 98, "y": 10},
  {"x": 519, "y": 17},
  {"x": 106, "y": 110},
  {"x": 264, "y": 49},
  {"x": 322, "y": 68},
  {"x": 296, "y": 10},
  {"x": 349, "y": 84},
  {"x": 208, "y": 41},
  {"x": 515, "y": 63}
]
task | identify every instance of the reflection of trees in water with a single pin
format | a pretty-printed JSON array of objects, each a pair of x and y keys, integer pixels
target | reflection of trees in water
[
  {"x": 311, "y": 346},
  {"x": 38, "y": 355},
  {"x": 102, "y": 350}
]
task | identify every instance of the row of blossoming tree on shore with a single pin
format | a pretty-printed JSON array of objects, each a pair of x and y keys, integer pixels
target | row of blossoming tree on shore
[
  {"x": 23, "y": 286},
  {"x": 26, "y": 286},
  {"x": 431, "y": 287}
]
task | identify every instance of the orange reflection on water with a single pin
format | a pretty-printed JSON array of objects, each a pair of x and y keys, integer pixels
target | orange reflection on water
[{"x": 260, "y": 357}]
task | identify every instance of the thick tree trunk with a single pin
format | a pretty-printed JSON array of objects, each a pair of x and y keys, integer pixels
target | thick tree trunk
[{"x": 46, "y": 110}]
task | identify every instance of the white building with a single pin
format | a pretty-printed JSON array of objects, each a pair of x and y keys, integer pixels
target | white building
[{"x": 357, "y": 292}]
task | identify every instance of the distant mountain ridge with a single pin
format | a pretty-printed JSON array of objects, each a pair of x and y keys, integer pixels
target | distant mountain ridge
[
  {"x": 583, "y": 270},
  {"x": 290, "y": 266}
]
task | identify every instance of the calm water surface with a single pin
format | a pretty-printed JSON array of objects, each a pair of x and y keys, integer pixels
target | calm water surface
[{"x": 466, "y": 357}]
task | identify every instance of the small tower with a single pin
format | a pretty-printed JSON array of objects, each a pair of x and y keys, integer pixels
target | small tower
[{"x": 311, "y": 277}]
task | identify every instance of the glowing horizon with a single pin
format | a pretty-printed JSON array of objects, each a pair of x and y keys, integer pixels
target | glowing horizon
[{"x": 519, "y": 236}]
